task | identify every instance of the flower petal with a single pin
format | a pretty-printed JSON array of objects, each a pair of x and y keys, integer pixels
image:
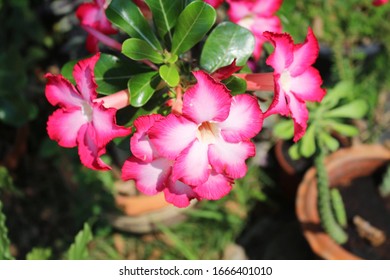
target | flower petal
[
  {"x": 279, "y": 102},
  {"x": 245, "y": 119},
  {"x": 216, "y": 187},
  {"x": 207, "y": 100},
  {"x": 140, "y": 144},
  {"x": 85, "y": 77},
  {"x": 304, "y": 54},
  {"x": 150, "y": 178},
  {"x": 266, "y": 8},
  {"x": 239, "y": 9},
  {"x": 229, "y": 158},
  {"x": 192, "y": 166},
  {"x": 92, "y": 44},
  {"x": 299, "y": 114},
  {"x": 282, "y": 56},
  {"x": 104, "y": 123},
  {"x": 89, "y": 151},
  {"x": 63, "y": 126},
  {"x": 172, "y": 135},
  {"x": 179, "y": 194},
  {"x": 60, "y": 92},
  {"x": 307, "y": 86}
]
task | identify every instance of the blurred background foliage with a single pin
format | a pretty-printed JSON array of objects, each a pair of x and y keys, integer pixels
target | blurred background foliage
[{"x": 47, "y": 196}]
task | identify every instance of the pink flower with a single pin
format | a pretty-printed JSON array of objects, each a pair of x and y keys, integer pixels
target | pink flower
[
  {"x": 257, "y": 16},
  {"x": 150, "y": 171},
  {"x": 81, "y": 121},
  {"x": 93, "y": 19},
  {"x": 211, "y": 137},
  {"x": 296, "y": 81},
  {"x": 214, "y": 3},
  {"x": 199, "y": 153},
  {"x": 379, "y": 2}
]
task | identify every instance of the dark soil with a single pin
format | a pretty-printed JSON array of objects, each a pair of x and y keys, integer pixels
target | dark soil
[{"x": 362, "y": 198}]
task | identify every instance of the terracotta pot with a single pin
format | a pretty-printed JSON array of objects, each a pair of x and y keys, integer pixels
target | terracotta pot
[
  {"x": 142, "y": 213},
  {"x": 342, "y": 167}
]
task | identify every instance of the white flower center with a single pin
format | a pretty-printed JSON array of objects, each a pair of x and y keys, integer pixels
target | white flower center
[
  {"x": 285, "y": 81},
  {"x": 247, "y": 21},
  {"x": 207, "y": 133},
  {"x": 87, "y": 111}
]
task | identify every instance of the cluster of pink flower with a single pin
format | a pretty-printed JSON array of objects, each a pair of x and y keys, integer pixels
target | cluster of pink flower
[
  {"x": 196, "y": 154},
  {"x": 201, "y": 147}
]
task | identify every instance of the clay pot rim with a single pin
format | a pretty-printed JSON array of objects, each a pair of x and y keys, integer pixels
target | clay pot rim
[{"x": 319, "y": 241}]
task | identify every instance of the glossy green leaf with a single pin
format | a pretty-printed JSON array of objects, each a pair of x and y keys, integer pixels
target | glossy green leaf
[
  {"x": 127, "y": 16},
  {"x": 138, "y": 49},
  {"x": 284, "y": 129},
  {"x": 142, "y": 87},
  {"x": 235, "y": 85},
  {"x": 170, "y": 75},
  {"x": 79, "y": 249},
  {"x": 344, "y": 129},
  {"x": 354, "y": 110},
  {"x": 165, "y": 14},
  {"x": 111, "y": 72},
  {"x": 308, "y": 143},
  {"x": 192, "y": 25},
  {"x": 228, "y": 41},
  {"x": 67, "y": 70}
]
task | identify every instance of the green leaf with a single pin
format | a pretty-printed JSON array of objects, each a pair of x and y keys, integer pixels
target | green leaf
[
  {"x": 342, "y": 90},
  {"x": 170, "y": 75},
  {"x": 138, "y": 49},
  {"x": 127, "y": 16},
  {"x": 67, "y": 70},
  {"x": 284, "y": 129},
  {"x": 192, "y": 25},
  {"x": 79, "y": 250},
  {"x": 354, "y": 110},
  {"x": 228, "y": 41},
  {"x": 165, "y": 14},
  {"x": 338, "y": 207},
  {"x": 235, "y": 85},
  {"x": 330, "y": 142},
  {"x": 39, "y": 254},
  {"x": 112, "y": 73},
  {"x": 142, "y": 87},
  {"x": 5, "y": 253},
  {"x": 308, "y": 143},
  {"x": 293, "y": 151},
  {"x": 343, "y": 129}
]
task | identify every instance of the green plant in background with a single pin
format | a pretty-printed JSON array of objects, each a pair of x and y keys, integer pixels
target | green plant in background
[
  {"x": 332, "y": 117},
  {"x": 20, "y": 49}
]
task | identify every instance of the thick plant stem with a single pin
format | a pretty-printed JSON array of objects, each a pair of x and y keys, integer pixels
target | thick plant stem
[{"x": 327, "y": 217}]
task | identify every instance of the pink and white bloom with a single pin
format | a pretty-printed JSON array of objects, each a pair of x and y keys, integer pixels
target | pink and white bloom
[
  {"x": 150, "y": 171},
  {"x": 296, "y": 81},
  {"x": 210, "y": 138},
  {"x": 199, "y": 153},
  {"x": 93, "y": 19},
  {"x": 258, "y": 16},
  {"x": 379, "y": 2},
  {"x": 81, "y": 120}
]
